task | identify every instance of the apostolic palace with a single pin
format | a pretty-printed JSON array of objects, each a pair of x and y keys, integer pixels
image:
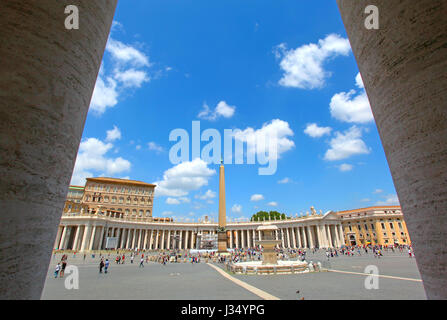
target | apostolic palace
[{"x": 109, "y": 213}]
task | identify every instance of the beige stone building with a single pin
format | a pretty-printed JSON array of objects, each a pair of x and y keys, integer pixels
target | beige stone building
[{"x": 380, "y": 225}]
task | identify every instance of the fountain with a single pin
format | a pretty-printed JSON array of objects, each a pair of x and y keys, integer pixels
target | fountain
[
  {"x": 270, "y": 263},
  {"x": 268, "y": 242}
]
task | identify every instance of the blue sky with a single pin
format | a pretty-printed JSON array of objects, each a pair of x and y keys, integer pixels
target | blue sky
[{"x": 257, "y": 66}]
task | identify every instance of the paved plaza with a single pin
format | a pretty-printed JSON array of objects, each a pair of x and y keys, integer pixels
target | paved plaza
[{"x": 200, "y": 281}]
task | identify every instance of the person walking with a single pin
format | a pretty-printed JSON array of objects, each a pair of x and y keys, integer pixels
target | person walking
[
  {"x": 106, "y": 265},
  {"x": 64, "y": 264},
  {"x": 141, "y": 263},
  {"x": 101, "y": 265},
  {"x": 56, "y": 271}
]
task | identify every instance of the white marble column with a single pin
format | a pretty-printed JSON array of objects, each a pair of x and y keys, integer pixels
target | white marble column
[
  {"x": 237, "y": 239},
  {"x": 294, "y": 237},
  {"x": 101, "y": 238},
  {"x": 242, "y": 239},
  {"x": 231, "y": 239},
  {"x": 87, "y": 230},
  {"x": 310, "y": 236},
  {"x": 151, "y": 240},
  {"x": 92, "y": 238},
  {"x": 62, "y": 242},
  {"x": 157, "y": 236},
  {"x": 58, "y": 237},
  {"x": 168, "y": 244},
  {"x": 75, "y": 242},
  {"x": 282, "y": 238}
]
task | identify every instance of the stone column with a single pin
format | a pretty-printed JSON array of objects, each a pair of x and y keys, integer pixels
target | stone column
[
  {"x": 87, "y": 230},
  {"x": 47, "y": 78},
  {"x": 298, "y": 237},
  {"x": 341, "y": 234},
  {"x": 181, "y": 239},
  {"x": 92, "y": 238},
  {"x": 310, "y": 237},
  {"x": 186, "y": 239},
  {"x": 146, "y": 235},
  {"x": 403, "y": 67},
  {"x": 75, "y": 242},
  {"x": 156, "y": 239},
  {"x": 329, "y": 235},
  {"x": 151, "y": 240},
  {"x": 237, "y": 238},
  {"x": 128, "y": 238},
  {"x": 58, "y": 237},
  {"x": 282, "y": 238},
  {"x": 101, "y": 239},
  {"x": 62, "y": 243},
  {"x": 134, "y": 238},
  {"x": 242, "y": 239},
  {"x": 231, "y": 239}
]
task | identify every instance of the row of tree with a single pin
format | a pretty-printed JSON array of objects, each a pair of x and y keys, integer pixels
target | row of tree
[{"x": 272, "y": 215}]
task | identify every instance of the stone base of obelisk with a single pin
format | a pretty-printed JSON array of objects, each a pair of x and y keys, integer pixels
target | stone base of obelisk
[{"x": 222, "y": 242}]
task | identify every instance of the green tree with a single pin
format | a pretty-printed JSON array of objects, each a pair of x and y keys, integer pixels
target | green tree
[{"x": 272, "y": 215}]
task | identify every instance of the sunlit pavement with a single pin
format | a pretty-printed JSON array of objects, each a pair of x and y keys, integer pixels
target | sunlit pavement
[{"x": 200, "y": 281}]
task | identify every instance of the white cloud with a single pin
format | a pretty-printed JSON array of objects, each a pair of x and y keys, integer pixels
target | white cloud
[
  {"x": 378, "y": 191},
  {"x": 126, "y": 54},
  {"x": 167, "y": 213},
  {"x": 303, "y": 66},
  {"x": 257, "y": 197},
  {"x": 105, "y": 95},
  {"x": 222, "y": 110},
  {"x": 128, "y": 65},
  {"x": 346, "y": 144},
  {"x": 390, "y": 200},
  {"x": 273, "y": 204},
  {"x": 113, "y": 134},
  {"x": 177, "y": 200},
  {"x": 155, "y": 147},
  {"x": 285, "y": 180},
  {"x": 172, "y": 201},
  {"x": 236, "y": 208},
  {"x": 349, "y": 107},
  {"x": 345, "y": 167},
  {"x": 92, "y": 160},
  {"x": 138, "y": 147},
  {"x": 131, "y": 77},
  {"x": 181, "y": 179},
  {"x": 275, "y": 132},
  {"x": 314, "y": 131},
  {"x": 207, "y": 195}
]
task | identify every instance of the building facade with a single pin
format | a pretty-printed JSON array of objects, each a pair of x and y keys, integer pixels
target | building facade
[
  {"x": 381, "y": 225},
  {"x": 109, "y": 209}
]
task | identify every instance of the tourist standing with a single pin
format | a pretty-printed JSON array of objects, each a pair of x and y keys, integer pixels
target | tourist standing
[
  {"x": 56, "y": 271},
  {"x": 101, "y": 265}
]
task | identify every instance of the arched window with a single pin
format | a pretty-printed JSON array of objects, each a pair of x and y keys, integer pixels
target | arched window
[
  {"x": 148, "y": 213},
  {"x": 128, "y": 200},
  {"x": 121, "y": 199},
  {"x": 134, "y": 212},
  {"x": 127, "y": 212},
  {"x": 140, "y": 213}
]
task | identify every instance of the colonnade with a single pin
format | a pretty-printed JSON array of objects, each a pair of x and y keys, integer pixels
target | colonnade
[{"x": 93, "y": 236}]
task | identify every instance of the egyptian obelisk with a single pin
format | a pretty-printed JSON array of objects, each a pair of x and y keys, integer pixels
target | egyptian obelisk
[{"x": 221, "y": 232}]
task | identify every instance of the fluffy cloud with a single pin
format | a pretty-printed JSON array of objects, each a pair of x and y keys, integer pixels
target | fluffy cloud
[
  {"x": 275, "y": 132},
  {"x": 114, "y": 134},
  {"x": 92, "y": 160},
  {"x": 378, "y": 191},
  {"x": 273, "y": 204},
  {"x": 390, "y": 200},
  {"x": 222, "y": 110},
  {"x": 177, "y": 200},
  {"x": 345, "y": 145},
  {"x": 350, "y": 106},
  {"x": 236, "y": 208},
  {"x": 345, "y": 167},
  {"x": 257, "y": 197},
  {"x": 207, "y": 195},
  {"x": 179, "y": 180},
  {"x": 314, "y": 131},
  {"x": 303, "y": 66},
  {"x": 129, "y": 71}
]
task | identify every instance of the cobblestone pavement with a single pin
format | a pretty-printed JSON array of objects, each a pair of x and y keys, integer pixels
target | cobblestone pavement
[{"x": 200, "y": 281}]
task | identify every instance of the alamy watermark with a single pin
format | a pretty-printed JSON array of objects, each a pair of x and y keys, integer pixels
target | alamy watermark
[
  {"x": 372, "y": 20},
  {"x": 72, "y": 279},
  {"x": 72, "y": 20},
  {"x": 372, "y": 281},
  {"x": 249, "y": 148}
]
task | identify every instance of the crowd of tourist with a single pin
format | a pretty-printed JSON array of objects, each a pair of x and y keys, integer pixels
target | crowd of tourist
[{"x": 235, "y": 255}]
